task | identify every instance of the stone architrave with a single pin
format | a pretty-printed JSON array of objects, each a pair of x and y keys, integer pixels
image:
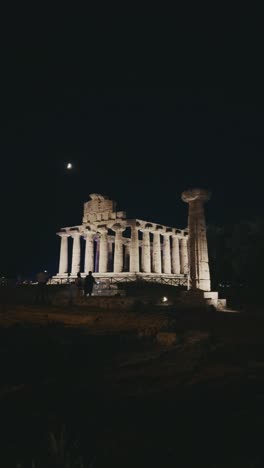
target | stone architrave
[
  {"x": 184, "y": 256},
  {"x": 175, "y": 257},
  {"x": 199, "y": 274},
  {"x": 76, "y": 253},
  {"x": 134, "y": 250},
  {"x": 166, "y": 253},
  {"x": 63, "y": 265},
  {"x": 103, "y": 254},
  {"x": 118, "y": 255},
  {"x": 89, "y": 252},
  {"x": 146, "y": 255},
  {"x": 156, "y": 252}
]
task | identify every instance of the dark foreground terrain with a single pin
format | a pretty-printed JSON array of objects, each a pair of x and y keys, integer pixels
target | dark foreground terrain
[{"x": 104, "y": 388}]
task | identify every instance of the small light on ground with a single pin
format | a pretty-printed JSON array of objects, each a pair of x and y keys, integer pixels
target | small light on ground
[{"x": 164, "y": 299}]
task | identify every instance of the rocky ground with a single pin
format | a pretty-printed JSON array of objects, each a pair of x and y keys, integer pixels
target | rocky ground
[{"x": 155, "y": 387}]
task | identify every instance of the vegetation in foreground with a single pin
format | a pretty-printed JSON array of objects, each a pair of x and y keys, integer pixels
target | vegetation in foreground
[{"x": 123, "y": 397}]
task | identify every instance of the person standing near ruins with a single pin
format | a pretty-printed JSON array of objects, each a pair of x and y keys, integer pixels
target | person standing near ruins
[
  {"x": 88, "y": 284},
  {"x": 79, "y": 285}
]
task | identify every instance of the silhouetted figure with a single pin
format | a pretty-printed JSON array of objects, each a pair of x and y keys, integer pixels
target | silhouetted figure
[
  {"x": 88, "y": 284},
  {"x": 79, "y": 285},
  {"x": 42, "y": 296}
]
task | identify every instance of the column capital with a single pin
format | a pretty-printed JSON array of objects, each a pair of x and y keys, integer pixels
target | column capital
[
  {"x": 118, "y": 227},
  {"x": 196, "y": 194},
  {"x": 148, "y": 227},
  {"x": 75, "y": 234},
  {"x": 168, "y": 232},
  {"x": 62, "y": 234},
  {"x": 102, "y": 229}
]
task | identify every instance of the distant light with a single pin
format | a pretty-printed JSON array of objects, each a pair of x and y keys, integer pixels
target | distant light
[
  {"x": 45, "y": 271},
  {"x": 164, "y": 299},
  {"x": 69, "y": 166}
]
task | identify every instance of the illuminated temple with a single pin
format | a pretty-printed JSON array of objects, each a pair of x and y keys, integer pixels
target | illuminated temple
[{"x": 116, "y": 247}]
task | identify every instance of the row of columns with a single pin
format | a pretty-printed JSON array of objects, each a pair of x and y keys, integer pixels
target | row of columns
[{"x": 173, "y": 260}]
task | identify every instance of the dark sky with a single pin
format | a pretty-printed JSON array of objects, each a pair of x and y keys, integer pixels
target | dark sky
[{"x": 133, "y": 130}]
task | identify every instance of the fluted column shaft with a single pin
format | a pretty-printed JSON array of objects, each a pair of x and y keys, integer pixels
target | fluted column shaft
[
  {"x": 175, "y": 256},
  {"x": 166, "y": 255},
  {"x": 103, "y": 254},
  {"x": 89, "y": 253},
  {"x": 76, "y": 254},
  {"x": 146, "y": 259},
  {"x": 118, "y": 255},
  {"x": 184, "y": 256},
  {"x": 134, "y": 251},
  {"x": 63, "y": 265},
  {"x": 156, "y": 253}
]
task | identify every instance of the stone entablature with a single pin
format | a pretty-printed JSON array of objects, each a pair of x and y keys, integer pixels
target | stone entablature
[{"x": 114, "y": 244}]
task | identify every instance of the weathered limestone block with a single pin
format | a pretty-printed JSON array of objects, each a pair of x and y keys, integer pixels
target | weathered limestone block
[
  {"x": 198, "y": 251},
  {"x": 76, "y": 253},
  {"x": 63, "y": 265}
]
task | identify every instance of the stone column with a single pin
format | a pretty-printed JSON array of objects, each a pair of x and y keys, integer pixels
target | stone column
[
  {"x": 175, "y": 256},
  {"x": 89, "y": 253},
  {"x": 199, "y": 273},
  {"x": 76, "y": 253},
  {"x": 63, "y": 265},
  {"x": 184, "y": 256},
  {"x": 134, "y": 250},
  {"x": 118, "y": 255},
  {"x": 97, "y": 250},
  {"x": 156, "y": 253},
  {"x": 103, "y": 250},
  {"x": 166, "y": 253},
  {"x": 110, "y": 255},
  {"x": 146, "y": 258}
]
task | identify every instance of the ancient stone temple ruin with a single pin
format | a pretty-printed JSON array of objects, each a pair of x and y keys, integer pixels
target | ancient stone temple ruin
[{"x": 116, "y": 247}]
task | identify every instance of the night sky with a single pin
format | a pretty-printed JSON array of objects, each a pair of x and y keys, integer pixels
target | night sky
[{"x": 133, "y": 131}]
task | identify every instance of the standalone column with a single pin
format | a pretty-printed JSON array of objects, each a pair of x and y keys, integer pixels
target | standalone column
[
  {"x": 184, "y": 256},
  {"x": 166, "y": 254},
  {"x": 103, "y": 251},
  {"x": 146, "y": 259},
  {"x": 76, "y": 253},
  {"x": 175, "y": 256},
  {"x": 198, "y": 252},
  {"x": 118, "y": 255},
  {"x": 89, "y": 253},
  {"x": 63, "y": 265},
  {"x": 156, "y": 253},
  {"x": 134, "y": 251}
]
